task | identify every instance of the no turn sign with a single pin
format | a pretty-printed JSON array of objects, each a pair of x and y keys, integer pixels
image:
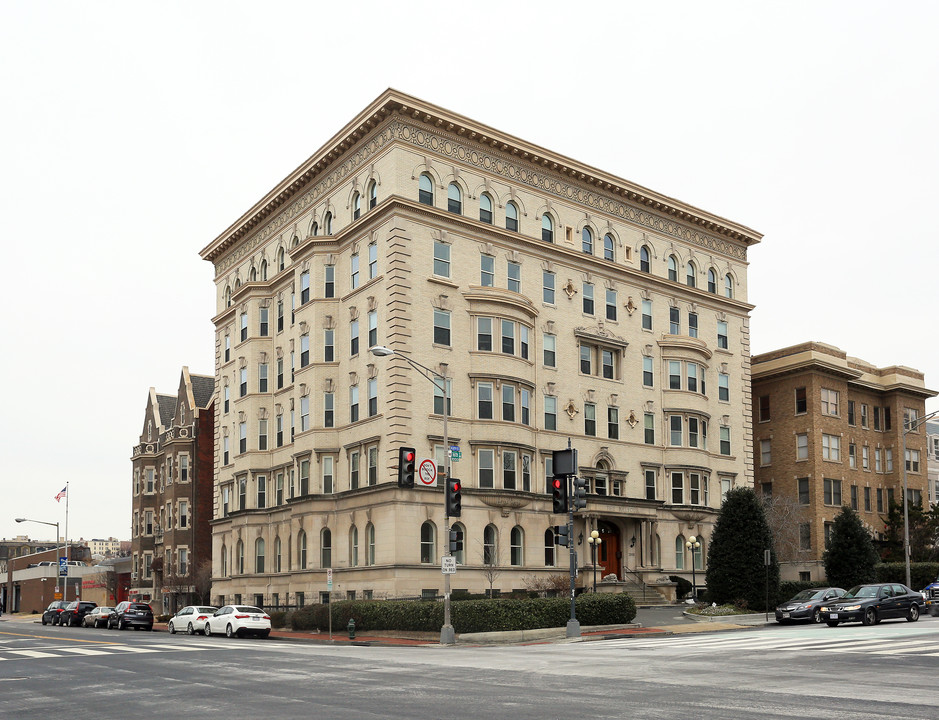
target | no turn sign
[{"x": 427, "y": 472}]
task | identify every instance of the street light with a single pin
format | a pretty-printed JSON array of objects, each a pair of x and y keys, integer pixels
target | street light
[
  {"x": 594, "y": 542},
  {"x": 447, "y": 635},
  {"x": 56, "y": 526},
  {"x": 909, "y": 427},
  {"x": 692, "y": 544}
]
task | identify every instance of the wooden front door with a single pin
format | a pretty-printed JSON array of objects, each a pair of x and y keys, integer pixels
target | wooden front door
[{"x": 610, "y": 558}]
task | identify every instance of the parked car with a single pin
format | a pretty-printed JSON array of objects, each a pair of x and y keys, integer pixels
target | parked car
[
  {"x": 75, "y": 612},
  {"x": 51, "y": 614},
  {"x": 131, "y": 614},
  {"x": 191, "y": 619},
  {"x": 870, "y": 604},
  {"x": 98, "y": 616},
  {"x": 238, "y": 620},
  {"x": 807, "y": 605}
]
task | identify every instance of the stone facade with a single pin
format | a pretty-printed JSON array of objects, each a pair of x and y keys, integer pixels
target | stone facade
[
  {"x": 173, "y": 494},
  {"x": 932, "y": 462},
  {"x": 828, "y": 432},
  {"x": 559, "y": 301}
]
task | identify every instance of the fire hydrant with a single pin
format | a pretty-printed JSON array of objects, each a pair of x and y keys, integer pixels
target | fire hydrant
[{"x": 351, "y": 628}]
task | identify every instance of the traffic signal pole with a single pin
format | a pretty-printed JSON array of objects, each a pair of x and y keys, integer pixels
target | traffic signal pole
[{"x": 573, "y": 625}]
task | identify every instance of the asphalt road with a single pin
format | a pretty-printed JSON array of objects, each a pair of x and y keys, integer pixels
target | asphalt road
[{"x": 850, "y": 671}]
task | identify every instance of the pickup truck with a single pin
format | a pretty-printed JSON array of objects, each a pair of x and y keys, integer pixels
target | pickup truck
[{"x": 931, "y": 593}]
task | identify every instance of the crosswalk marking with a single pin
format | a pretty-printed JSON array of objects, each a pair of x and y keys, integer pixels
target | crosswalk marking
[
  {"x": 83, "y": 651},
  {"x": 33, "y": 653},
  {"x": 50, "y": 652}
]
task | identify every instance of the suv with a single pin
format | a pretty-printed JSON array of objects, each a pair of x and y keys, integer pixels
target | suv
[
  {"x": 931, "y": 595},
  {"x": 131, "y": 614},
  {"x": 75, "y": 612},
  {"x": 51, "y": 614}
]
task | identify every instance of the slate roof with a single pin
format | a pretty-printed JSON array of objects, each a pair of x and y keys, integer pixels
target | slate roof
[
  {"x": 203, "y": 388},
  {"x": 167, "y": 405}
]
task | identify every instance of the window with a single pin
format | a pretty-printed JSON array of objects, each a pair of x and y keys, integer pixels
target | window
[
  {"x": 509, "y": 469},
  {"x": 425, "y": 193},
  {"x": 590, "y": 419},
  {"x": 801, "y": 401},
  {"x": 262, "y": 434},
  {"x": 244, "y": 326},
  {"x": 650, "y": 479},
  {"x": 490, "y": 546},
  {"x": 832, "y": 490},
  {"x": 356, "y": 206},
  {"x": 728, "y": 286},
  {"x": 511, "y": 216},
  {"x": 262, "y": 491},
  {"x": 354, "y": 403},
  {"x": 227, "y": 348},
  {"x": 588, "y": 298},
  {"x": 550, "y": 413},
  {"x": 441, "y": 259},
  {"x": 722, "y": 335},
  {"x": 225, "y": 450},
  {"x": 608, "y": 248},
  {"x": 586, "y": 241},
  {"x": 550, "y": 350},
  {"x": 516, "y": 542},
  {"x": 508, "y": 403},
  {"x": 672, "y": 268},
  {"x": 514, "y": 276},
  {"x": 329, "y": 287},
  {"x": 508, "y": 337},
  {"x": 441, "y": 327},
  {"x": 764, "y": 408},
  {"x": 547, "y": 229},
  {"x": 805, "y": 536},
  {"x": 304, "y": 413},
  {"x": 329, "y": 345},
  {"x": 690, "y": 273},
  {"x": 803, "y": 491},
  {"x": 485, "y": 209},
  {"x": 262, "y": 378},
  {"x": 612, "y": 423},
  {"x": 725, "y": 440},
  {"x": 674, "y": 375},
  {"x": 645, "y": 262},
  {"x": 487, "y": 270},
  {"x": 484, "y": 334},
  {"x": 454, "y": 199},
  {"x": 326, "y": 548},
  {"x": 695, "y": 487},
  {"x": 867, "y": 499},
  {"x": 865, "y": 421},
  {"x": 372, "y": 328},
  {"x": 353, "y": 546},
  {"x": 372, "y": 260},
  {"x": 372, "y": 390},
  {"x": 878, "y": 461},
  {"x": 369, "y": 545},
  {"x": 912, "y": 460},
  {"x": 647, "y": 372},
  {"x": 766, "y": 457},
  {"x": 484, "y": 398},
  {"x": 646, "y": 314},
  {"x": 829, "y": 402},
  {"x": 549, "y": 548},
  {"x": 486, "y": 468},
  {"x": 372, "y": 193},
  {"x": 280, "y": 316},
  {"x": 372, "y": 465},
  {"x": 354, "y": 271},
  {"x": 678, "y": 488},
  {"x": 304, "y": 287},
  {"x": 438, "y": 398},
  {"x": 851, "y": 418},
  {"x": 693, "y": 324},
  {"x": 547, "y": 284},
  {"x": 674, "y": 321},
  {"x": 328, "y": 224},
  {"x": 854, "y": 498},
  {"x": 243, "y": 437},
  {"x": 263, "y": 322},
  {"x": 675, "y": 431},
  {"x": 184, "y": 468},
  {"x": 889, "y": 462},
  {"x": 328, "y": 474},
  {"x": 802, "y": 446},
  {"x": 225, "y": 399},
  {"x": 831, "y": 448},
  {"x": 281, "y": 259},
  {"x": 649, "y": 428},
  {"x": 723, "y": 387},
  {"x": 354, "y": 338},
  {"x": 852, "y": 456},
  {"x": 304, "y": 351}
]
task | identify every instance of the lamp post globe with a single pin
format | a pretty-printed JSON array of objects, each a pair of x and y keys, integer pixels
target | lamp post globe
[
  {"x": 594, "y": 541},
  {"x": 692, "y": 544}
]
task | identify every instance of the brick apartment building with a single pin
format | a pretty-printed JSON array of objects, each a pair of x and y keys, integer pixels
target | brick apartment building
[
  {"x": 172, "y": 494},
  {"x": 828, "y": 432}
]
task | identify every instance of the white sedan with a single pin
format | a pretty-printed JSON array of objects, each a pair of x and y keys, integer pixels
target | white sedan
[
  {"x": 190, "y": 619},
  {"x": 98, "y": 616},
  {"x": 238, "y": 620}
]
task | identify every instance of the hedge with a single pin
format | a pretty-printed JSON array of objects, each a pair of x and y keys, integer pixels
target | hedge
[
  {"x": 921, "y": 573},
  {"x": 469, "y": 615}
]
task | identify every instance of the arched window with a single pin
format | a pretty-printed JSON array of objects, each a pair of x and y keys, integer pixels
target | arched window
[
  {"x": 680, "y": 552},
  {"x": 547, "y": 228},
  {"x": 240, "y": 558},
  {"x": 259, "y": 555},
  {"x": 608, "y": 252},
  {"x": 278, "y": 566},
  {"x": 712, "y": 281},
  {"x": 602, "y": 478},
  {"x": 490, "y": 546},
  {"x": 690, "y": 278},
  {"x": 586, "y": 238},
  {"x": 328, "y": 224},
  {"x": 252, "y": 274},
  {"x": 326, "y": 548},
  {"x": 281, "y": 259},
  {"x": 672, "y": 268},
  {"x": 425, "y": 193},
  {"x": 227, "y": 296},
  {"x": 511, "y": 216},
  {"x": 460, "y": 552},
  {"x": 314, "y": 229},
  {"x": 295, "y": 241},
  {"x": 517, "y": 543},
  {"x": 454, "y": 199},
  {"x": 372, "y": 194},
  {"x": 224, "y": 561},
  {"x": 485, "y": 209},
  {"x": 728, "y": 286},
  {"x": 549, "y": 548},
  {"x": 356, "y": 206},
  {"x": 699, "y": 554},
  {"x": 428, "y": 542},
  {"x": 370, "y": 544},
  {"x": 301, "y": 549},
  {"x": 645, "y": 259},
  {"x": 264, "y": 269},
  {"x": 353, "y": 546}
]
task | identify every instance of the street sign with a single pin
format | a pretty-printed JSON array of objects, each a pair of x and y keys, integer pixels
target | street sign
[
  {"x": 448, "y": 565},
  {"x": 427, "y": 472},
  {"x": 456, "y": 455},
  {"x": 329, "y": 579}
]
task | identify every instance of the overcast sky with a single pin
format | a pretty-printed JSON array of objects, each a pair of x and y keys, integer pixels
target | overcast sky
[{"x": 133, "y": 133}]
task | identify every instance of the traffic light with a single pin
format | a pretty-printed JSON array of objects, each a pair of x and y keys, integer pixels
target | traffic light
[
  {"x": 580, "y": 493},
  {"x": 406, "y": 461},
  {"x": 562, "y": 535},
  {"x": 559, "y": 494},
  {"x": 454, "y": 500},
  {"x": 456, "y": 541}
]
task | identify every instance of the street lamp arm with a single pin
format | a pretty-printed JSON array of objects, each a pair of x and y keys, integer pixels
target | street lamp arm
[
  {"x": 382, "y": 351},
  {"x": 916, "y": 424}
]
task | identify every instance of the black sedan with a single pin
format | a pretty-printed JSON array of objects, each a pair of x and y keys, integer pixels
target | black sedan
[
  {"x": 807, "y": 605},
  {"x": 870, "y": 604},
  {"x": 51, "y": 613}
]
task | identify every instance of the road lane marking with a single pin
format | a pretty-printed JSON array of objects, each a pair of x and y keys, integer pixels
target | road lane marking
[{"x": 59, "y": 638}]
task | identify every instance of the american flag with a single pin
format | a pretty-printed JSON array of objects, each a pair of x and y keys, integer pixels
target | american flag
[{"x": 61, "y": 494}]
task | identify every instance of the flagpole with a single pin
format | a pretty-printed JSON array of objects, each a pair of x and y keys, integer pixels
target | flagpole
[{"x": 65, "y": 595}]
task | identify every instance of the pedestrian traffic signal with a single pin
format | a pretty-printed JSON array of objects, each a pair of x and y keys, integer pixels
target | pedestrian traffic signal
[
  {"x": 456, "y": 541},
  {"x": 580, "y": 493},
  {"x": 406, "y": 461},
  {"x": 562, "y": 535},
  {"x": 454, "y": 499},
  {"x": 559, "y": 494}
]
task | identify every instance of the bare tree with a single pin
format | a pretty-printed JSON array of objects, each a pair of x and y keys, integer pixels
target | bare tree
[
  {"x": 492, "y": 563},
  {"x": 785, "y": 516},
  {"x": 202, "y": 580}
]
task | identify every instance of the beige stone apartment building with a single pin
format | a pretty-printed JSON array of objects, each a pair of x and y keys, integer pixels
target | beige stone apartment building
[
  {"x": 828, "y": 432},
  {"x": 558, "y": 300}
]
